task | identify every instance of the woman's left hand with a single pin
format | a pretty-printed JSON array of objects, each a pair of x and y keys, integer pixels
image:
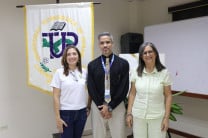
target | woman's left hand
[
  {"x": 165, "y": 124},
  {"x": 129, "y": 120}
]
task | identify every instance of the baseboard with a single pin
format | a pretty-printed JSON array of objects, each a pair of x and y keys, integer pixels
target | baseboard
[
  {"x": 180, "y": 133},
  {"x": 56, "y": 135},
  {"x": 184, "y": 134},
  {"x": 89, "y": 132},
  {"x": 85, "y": 133}
]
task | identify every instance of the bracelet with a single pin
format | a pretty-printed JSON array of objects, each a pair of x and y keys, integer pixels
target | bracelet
[
  {"x": 110, "y": 108},
  {"x": 165, "y": 117}
]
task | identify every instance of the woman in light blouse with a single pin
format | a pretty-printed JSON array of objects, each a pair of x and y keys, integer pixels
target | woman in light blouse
[{"x": 150, "y": 96}]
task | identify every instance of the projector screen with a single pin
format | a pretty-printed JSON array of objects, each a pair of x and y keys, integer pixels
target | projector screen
[{"x": 185, "y": 45}]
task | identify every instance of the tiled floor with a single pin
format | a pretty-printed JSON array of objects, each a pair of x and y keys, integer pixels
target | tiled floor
[
  {"x": 172, "y": 135},
  {"x": 89, "y": 136}
]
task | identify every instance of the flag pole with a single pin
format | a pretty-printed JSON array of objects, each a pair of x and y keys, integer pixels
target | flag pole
[{"x": 57, "y": 1}]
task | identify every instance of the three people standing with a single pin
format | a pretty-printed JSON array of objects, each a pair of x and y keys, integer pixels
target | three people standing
[{"x": 149, "y": 99}]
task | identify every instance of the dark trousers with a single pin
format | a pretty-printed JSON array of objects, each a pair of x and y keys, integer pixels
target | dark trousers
[{"x": 75, "y": 120}]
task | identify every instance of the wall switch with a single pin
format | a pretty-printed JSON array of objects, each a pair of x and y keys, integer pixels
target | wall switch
[{"x": 3, "y": 127}]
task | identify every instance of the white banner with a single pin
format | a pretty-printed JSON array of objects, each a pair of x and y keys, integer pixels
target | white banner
[{"x": 49, "y": 28}]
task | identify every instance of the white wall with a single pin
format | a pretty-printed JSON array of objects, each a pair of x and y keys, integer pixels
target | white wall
[
  {"x": 171, "y": 39},
  {"x": 108, "y": 17},
  {"x": 24, "y": 111},
  {"x": 27, "y": 113}
]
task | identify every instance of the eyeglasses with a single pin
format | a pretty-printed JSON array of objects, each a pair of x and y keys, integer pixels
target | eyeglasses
[{"x": 148, "y": 52}]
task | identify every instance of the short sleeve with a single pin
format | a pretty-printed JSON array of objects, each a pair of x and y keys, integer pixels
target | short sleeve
[
  {"x": 167, "y": 78},
  {"x": 133, "y": 75},
  {"x": 84, "y": 73},
  {"x": 56, "y": 81}
]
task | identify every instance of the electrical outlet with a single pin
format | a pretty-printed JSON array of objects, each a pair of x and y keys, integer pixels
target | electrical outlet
[{"x": 3, "y": 127}]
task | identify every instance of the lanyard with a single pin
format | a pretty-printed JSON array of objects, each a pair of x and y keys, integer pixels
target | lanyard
[
  {"x": 74, "y": 75},
  {"x": 104, "y": 67}
]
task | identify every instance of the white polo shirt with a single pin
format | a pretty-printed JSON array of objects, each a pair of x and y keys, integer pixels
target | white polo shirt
[
  {"x": 149, "y": 100},
  {"x": 73, "y": 89}
]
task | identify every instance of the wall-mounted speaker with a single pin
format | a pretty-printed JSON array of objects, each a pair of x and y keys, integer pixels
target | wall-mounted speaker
[{"x": 130, "y": 42}]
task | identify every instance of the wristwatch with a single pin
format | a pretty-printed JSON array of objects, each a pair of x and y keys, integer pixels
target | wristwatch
[{"x": 110, "y": 108}]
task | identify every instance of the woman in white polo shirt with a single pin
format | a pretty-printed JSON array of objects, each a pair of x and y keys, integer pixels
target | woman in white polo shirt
[
  {"x": 150, "y": 96},
  {"x": 70, "y": 96}
]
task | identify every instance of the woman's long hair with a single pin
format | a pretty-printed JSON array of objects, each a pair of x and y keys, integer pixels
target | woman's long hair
[
  {"x": 64, "y": 60},
  {"x": 159, "y": 66}
]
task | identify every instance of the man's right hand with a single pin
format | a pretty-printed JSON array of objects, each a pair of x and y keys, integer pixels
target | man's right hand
[{"x": 104, "y": 111}]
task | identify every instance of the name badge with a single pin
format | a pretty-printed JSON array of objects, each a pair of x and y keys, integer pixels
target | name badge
[{"x": 107, "y": 92}]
